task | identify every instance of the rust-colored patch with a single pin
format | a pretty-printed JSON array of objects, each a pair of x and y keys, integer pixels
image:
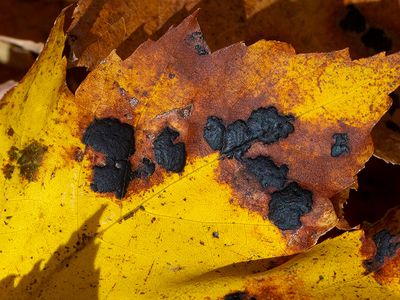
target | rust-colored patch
[
  {"x": 13, "y": 153},
  {"x": 78, "y": 154},
  {"x": 383, "y": 257},
  {"x": 239, "y": 295},
  {"x": 273, "y": 288},
  {"x": 30, "y": 159},
  {"x": 8, "y": 170}
]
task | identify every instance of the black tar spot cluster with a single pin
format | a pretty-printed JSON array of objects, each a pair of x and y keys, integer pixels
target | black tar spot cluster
[
  {"x": 341, "y": 145},
  {"x": 264, "y": 125},
  {"x": 384, "y": 248},
  {"x": 239, "y": 296},
  {"x": 197, "y": 40},
  {"x": 146, "y": 169},
  {"x": 371, "y": 37},
  {"x": 288, "y": 205},
  {"x": 116, "y": 141},
  {"x": 267, "y": 173},
  {"x": 170, "y": 156}
]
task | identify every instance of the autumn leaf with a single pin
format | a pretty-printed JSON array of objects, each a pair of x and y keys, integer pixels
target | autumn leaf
[
  {"x": 352, "y": 265},
  {"x": 175, "y": 141},
  {"x": 101, "y": 26},
  {"x": 365, "y": 27}
]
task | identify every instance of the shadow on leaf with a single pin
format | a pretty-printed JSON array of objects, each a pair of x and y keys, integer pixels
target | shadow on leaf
[
  {"x": 242, "y": 269},
  {"x": 309, "y": 26},
  {"x": 70, "y": 272}
]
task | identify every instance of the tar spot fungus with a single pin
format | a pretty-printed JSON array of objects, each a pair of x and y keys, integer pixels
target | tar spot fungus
[
  {"x": 268, "y": 126},
  {"x": 341, "y": 145},
  {"x": 214, "y": 132},
  {"x": 376, "y": 39},
  {"x": 145, "y": 170},
  {"x": 239, "y": 296},
  {"x": 264, "y": 124},
  {"x": 385, "y": 247},
  {"x": 237, "y": 139},
  {"x": 267, "y": 173},
  {"x": 113, "y": 177},
  {"x": 116, "y": 141},
  {"x": 197, "y": 39},
  {"x": 354, "y": 21},
  {"x": 30, "y": 159},
  {"x": 170, "y": 156},
  {"x": 110, "y": 137},
  {"x": 288, "y": 205}
]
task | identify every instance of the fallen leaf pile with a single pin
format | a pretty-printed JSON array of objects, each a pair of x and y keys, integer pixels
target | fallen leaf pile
[{"x": 193, "y": 165}]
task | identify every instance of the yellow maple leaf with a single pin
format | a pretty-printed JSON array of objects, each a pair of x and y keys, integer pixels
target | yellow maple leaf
[{"x": 124, "y": 235}]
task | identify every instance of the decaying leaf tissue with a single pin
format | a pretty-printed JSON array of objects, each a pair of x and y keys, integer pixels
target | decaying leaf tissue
[{"x": 198, "y": 149}]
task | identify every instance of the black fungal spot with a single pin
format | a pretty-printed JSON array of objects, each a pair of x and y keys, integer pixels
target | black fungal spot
[
  {"x": 214, "y": 133},
  {"x": 341, "y": 145},
  {"x": 239, "y": 296},
  {"x": 376, "y": 39},
  {"x": 267, "y": 173},
  {"x": 354, "y": 21},
  {"x": 116, "y": 141},
  {"x": 264, "y": 124},
  {"x": 112, "y": 178},
  {"x": 268, "y": 126},
  {"x": 384, "y": 248},
  {"x": 170, "y": 156},
  {"x": 200, "y": 45},
  {"x": 110, "y": 137},
  {"x": 145, "y": 170},
  {"x": 237, "y": 139},
  {"x": 288, "y": 205}
]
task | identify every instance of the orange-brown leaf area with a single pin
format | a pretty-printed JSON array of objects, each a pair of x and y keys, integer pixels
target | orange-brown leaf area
[
  {"x": 258, "y": 94},
  {"x": 190, "y": 81},
  {"x": 366, "y": 27}
]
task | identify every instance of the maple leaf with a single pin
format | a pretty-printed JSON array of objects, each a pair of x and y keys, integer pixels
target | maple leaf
[
  {"x": 101, "y": 26},
  {"x": 194, "y": 153},
  {"x": 366, "y": 27},
  {"x": 360, "y": 263}
]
